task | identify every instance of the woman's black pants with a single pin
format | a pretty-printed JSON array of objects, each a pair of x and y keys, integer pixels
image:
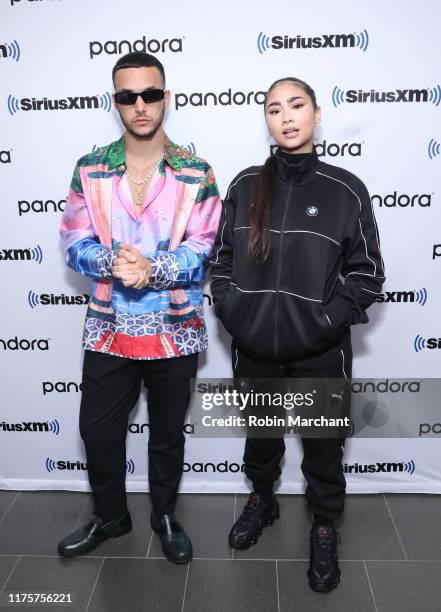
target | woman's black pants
[{"x": 322, "y": 457}]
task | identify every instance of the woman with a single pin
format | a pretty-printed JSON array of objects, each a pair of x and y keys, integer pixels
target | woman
[{"x": 296, "y": 262}]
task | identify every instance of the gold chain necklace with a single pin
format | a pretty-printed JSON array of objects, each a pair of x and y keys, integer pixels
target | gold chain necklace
[{"x": 142, "y": 182}]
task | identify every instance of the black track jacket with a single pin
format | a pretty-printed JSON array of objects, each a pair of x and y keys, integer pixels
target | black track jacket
[{"x": 324, "y": 268}]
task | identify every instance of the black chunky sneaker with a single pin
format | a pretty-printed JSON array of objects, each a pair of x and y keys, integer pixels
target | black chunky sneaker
[
  {"x": 255, "y": 515},
  {"x": 323, "y": 573}
]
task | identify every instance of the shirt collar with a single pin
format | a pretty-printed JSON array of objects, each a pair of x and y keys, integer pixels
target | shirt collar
[
  {"x": 297, "y": 168},
  {"x": 174, "y": 155}
]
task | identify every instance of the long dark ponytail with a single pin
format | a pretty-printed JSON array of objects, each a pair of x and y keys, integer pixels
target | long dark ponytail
[{"x": 259, "y": 235}]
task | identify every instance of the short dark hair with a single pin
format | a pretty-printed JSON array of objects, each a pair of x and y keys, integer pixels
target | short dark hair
[{"x": 138, "y": 59}]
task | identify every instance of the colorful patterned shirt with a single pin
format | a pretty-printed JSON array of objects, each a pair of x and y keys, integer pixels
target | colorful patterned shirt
[{"x": 175, "y": 230}]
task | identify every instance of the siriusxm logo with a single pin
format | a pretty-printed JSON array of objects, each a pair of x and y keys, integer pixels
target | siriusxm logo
[
  {"x": 433, "y": 148},
  {"x": 32, "y": 254},
  {"x": 400, "y": 297},
  {"x": 103, "y": 102},
  {"x": 39, "y": 427},
  {"x": 223, "y": 467},
  {"x": 62, "y": 464},
  {"x": 428, "y": 94},
  {"x": 190, "y": 148},
  {"x": 40, "y": 206},
  {"x": 50, "y": 299},
  {"x": 322, "y": 41},
  {"x": 114, "y": 47},
  {"x": 5, "y": 157},
  {"x": 421, "y": 343},
  {"x": 377, "y": 468},
  {"x": 403, "y": 200},
  {"x": 14, "y": 344},
  {"x": 10, "y": 50},
  {"x": 60, "y": 386},
  {"x": 225, "y": 98}
]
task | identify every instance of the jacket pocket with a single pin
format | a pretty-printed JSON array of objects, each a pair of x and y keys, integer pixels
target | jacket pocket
[
  {"x": 332, "y": 331},
  {"x": 303, "y": 329},
  {"x": 249, "y": 319}
]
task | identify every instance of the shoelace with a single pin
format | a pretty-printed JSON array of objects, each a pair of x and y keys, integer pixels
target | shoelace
[
  {"x": 248, "y": 512},
  {"x": 324, "y": 546}
]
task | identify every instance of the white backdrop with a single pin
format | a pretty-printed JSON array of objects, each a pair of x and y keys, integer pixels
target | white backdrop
[{"x": 56, "y": 49}]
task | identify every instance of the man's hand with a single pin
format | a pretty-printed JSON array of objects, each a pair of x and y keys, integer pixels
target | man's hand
[{"x": 132, "y": 268}]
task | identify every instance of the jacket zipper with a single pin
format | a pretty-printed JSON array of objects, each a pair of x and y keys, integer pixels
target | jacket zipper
[{"x": 279, "y": 270}]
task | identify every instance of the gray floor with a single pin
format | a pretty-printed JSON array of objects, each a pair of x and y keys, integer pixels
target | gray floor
[{"x": 390, "y": 556}]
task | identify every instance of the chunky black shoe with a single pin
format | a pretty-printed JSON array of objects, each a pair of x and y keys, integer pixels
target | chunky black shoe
[
  {"x": 90, "y": 536},
  {"x": 176, "y": 545},
  {"x": 323, "y": 573},
  {"x": 255, "y": 516}
]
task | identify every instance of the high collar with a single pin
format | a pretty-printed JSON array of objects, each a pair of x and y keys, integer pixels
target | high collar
[
  {"x": 174, "y": 155},
  {"x": 296, "y": 167}
]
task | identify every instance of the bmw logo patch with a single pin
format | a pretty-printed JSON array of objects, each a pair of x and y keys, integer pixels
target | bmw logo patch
[{"x": 312, "y": 211}]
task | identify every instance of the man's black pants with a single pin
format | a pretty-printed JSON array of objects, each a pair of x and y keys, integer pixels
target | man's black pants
[
  {"x": 110, "y": 389},
  {"x": 322, "y": 458}
]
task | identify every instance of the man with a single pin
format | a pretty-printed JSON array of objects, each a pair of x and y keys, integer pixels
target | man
[{"x": 140, "y": 219}]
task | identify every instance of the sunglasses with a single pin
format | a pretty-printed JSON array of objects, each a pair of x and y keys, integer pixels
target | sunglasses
[{"x": 130, "y": 97}]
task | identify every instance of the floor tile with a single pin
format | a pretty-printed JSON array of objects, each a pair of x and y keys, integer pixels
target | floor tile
[
  {"x": 213, "y": 582},
  {"x": 367, "y": 530},
  {"x": 55, "y": 575},
  {"x": 231, "y": 586},
  {"x": 139, "y": 585},
  {"x": 38, "y": 521},
  {"x": 407, "y": 586},
  {"x": 6, "y": 499},
  {"x": 6, "y": 565},
  {"x": 417, "y": 518}
]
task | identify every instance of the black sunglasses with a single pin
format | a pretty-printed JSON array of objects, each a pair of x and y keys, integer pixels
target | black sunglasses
[{"x": 130, "y": 97}]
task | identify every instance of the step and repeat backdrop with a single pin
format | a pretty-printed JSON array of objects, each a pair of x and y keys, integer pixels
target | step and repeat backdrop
[{"x": 375, "y": 69}]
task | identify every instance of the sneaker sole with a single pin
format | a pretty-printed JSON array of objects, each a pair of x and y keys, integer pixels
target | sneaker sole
[
  {"x": 267, "y": 523},
  {"x": 318, "y": 587}
]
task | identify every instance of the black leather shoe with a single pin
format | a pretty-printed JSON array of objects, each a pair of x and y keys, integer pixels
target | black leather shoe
[
  {"x": 255, "y": 516},
  {"x": 90, "y": 536},
  {"x": 323, "y": 573},
  {"x": 176, "y": 544}
]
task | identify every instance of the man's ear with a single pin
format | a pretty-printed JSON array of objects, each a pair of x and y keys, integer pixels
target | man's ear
[
  {"x": 114, "y": 102},
  {"x": 167, "y": 98}
]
